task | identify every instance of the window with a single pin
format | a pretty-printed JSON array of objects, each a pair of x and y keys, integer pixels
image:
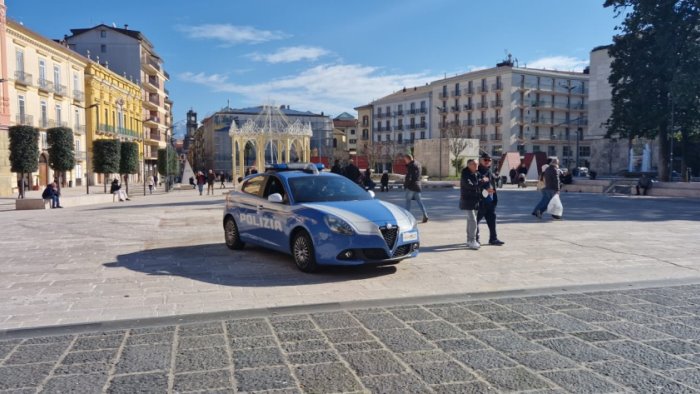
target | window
[
  {"x": 58, "y": 115},
  {"x": 365, "y": 120},
  {"x": 19, "y": 57},
  {"x": 567, "y": 151},
  {"x": 42, "y": 70},
  {"x": 44, "y": 140},
  {"x": 57, "y": 74},
  {"x": 335, "y": 142},
  {"x": 535, "y": 148},
  {"x": 77, "y": 145},
  {"x": 352, "y": 131},
  {"x": 274, "y": 185},
  {"x": 44, "y": 115},
  {"x": 103, "y": 48},
  {"x": 352, "y": 141},
  {"x": 76, "y": 82},
  {"x": 365, "y": 134},
  {"x": 253, "y": 185},
  {"x": 400, "y": 138},
  {"x": 551, "y": 150},
  {"x": 78, "y": 171},
  {"x": 76, "y": 118},
  {"x": 22, "y": 109},
  {"x": 584, "y": 151},
  {"x": 422, "y": 135},
  {"x": 422, "y": 106},
  {"x": 103, "y": 33}
]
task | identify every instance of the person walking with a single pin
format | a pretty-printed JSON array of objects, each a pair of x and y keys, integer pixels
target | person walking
[
  {"x": 51, "y": 193},
  {"x": 352, "y": 172},
  {"x": 412, "y": 184},
  {"x": 201, "y": 180},
  {"x": 222, "y": 179},
  {"x": 385, "y": 182},
  {"x": 551, "y": 187},
  {"x": 211, "y": 178},
  {"x": 469, "y": 197},
  {"x": 150, "y": 185},
  {"x": 155, "y": 181},
  {"x": 487, "y": 206}
]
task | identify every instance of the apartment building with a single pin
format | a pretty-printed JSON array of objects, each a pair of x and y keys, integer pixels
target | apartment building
[
  {"x": 364, "y": 124},
  {"x": 130, "y": 54},
  {"x": 516, "y": 109},
  {"x": 403, "y": 117},
  {"x": 114, "y": 110},
  {"x": 44, "y": 86},
  {"x": 346, "y": 137}
]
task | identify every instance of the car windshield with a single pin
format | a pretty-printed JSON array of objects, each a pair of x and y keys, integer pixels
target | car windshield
[{"x": 317, "y": 188}]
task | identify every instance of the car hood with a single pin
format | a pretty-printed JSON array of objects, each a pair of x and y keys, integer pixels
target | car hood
[{"x": 360, "y": 213}]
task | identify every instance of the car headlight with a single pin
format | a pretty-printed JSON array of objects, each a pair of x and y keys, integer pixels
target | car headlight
[{"x": 338, "y": 225}]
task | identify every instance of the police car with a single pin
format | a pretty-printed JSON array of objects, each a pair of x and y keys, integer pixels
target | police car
[{"x": 320, "y": 218}]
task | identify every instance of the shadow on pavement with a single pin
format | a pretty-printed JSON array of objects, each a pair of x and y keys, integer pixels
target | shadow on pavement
[
  {"x": 127, "y": 204},
  {"x": 251, "y": 267}
]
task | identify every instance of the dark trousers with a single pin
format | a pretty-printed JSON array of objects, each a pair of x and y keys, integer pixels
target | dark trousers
[
  {"x": 644, "y": 189},
  {"x": 487, "y": 210}
]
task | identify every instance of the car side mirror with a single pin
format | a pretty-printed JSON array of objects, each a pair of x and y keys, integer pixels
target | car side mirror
[
  {"x": 371, "y": 193},
  {"x": 275, "y": 197}
]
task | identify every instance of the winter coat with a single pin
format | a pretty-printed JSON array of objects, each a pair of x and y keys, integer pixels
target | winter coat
[
  {"x": 412, "y": 180},
  {"x": 551, "y": 179},
  {"x": 491, "y": 184},
  {"x": 469, "y": 190}
]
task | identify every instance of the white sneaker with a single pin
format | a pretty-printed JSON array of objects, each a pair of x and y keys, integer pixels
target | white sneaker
[{"x": 473, "y": 245}]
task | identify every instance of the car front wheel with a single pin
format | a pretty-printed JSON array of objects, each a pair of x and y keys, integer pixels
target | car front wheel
[
  {"x": 303, "y": 252},
  {"x": 232, "y": 236}
]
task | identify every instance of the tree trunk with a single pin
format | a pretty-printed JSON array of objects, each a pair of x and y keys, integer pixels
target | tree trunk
[
  {"x": 21, "y": 186},
  {"x": 104, "y": 181},
  {"x": 684, "y": 154},
  {"x": 126, "y": 183},
  {"x": 663, "y": 155}
]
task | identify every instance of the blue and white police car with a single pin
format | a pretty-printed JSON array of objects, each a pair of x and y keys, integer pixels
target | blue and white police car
[{"x": 320, "y": 218}]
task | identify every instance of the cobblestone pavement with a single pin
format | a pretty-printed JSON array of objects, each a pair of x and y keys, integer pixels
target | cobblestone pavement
[
  {"x": 641, "y": 340},
  {"x": 164, "y": 255}
]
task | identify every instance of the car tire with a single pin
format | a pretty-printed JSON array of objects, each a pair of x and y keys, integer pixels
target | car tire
[
  {"x": 231, "y": 235},
  {"x": 303, "y": 252}
]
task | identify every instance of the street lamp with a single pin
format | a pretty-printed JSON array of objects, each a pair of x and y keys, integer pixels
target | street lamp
[
  {"x": 87, "y": 154},
  {"x": 440, "y": 109}
]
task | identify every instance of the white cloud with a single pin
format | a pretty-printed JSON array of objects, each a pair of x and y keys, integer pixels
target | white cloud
[
  {"x": 332, "y": 88},
  {"x": 560, "y": 63},
  {"x": 230, "y": 34},
  {"x": 290, "y": 54}
]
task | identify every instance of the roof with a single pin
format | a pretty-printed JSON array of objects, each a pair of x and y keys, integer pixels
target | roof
[
  {"x": 53, "y": 44},
  {"x": 257, "y": 110},
  {"x": 344, "y": 116},
  {"x": 135, "y": 34},
  {"x": 513, "y": 159},
  {"x": 601, "y": 47},
  {"x": 405, "y": 92},
  {"x": 538, "y": 158}
]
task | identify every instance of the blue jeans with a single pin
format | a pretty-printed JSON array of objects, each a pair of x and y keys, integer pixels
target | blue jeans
[
  {"x": 55, "y": 202},
  {"x": 201, "y": 188},
  {"x": 547, "y": 196},
  {"x": 411, "y": 195}
]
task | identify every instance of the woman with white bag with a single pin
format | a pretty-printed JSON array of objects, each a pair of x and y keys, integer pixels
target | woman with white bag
[{"x": 550, "y": 192}]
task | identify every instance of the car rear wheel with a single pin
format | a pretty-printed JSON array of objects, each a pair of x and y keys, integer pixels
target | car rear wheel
[
  {"x": 232, "y": 236},
  {"x": 303, "y": 252}
]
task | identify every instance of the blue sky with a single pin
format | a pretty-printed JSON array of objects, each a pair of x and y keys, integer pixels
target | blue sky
[{"x": 331, "y": 56}]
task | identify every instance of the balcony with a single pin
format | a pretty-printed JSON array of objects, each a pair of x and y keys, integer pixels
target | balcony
[
  {"x": 123, "y": 131},
  {"x": 399, "y": 112},
  {"x": 545, "y": 88},
  {"x": 496, "y": 137},
  {"x": 421, "y": 126},
  {"x": 423, "y": 110},
  {"x": 482, "y": 89},
  {"x": 152, "y": 119},
  {"x": 105, "y": 129},
  {"x": 482, "y": 105},
  {"x": 154, "y": 135},
  {"x": 24, "y": 119},
  {"x": 468, "y": 91},
  {"x": 79, "y": 129},
  {"x": 481, "y": 122},
  {"x": 78, "y": 95},
  {"x": 152, "y": 155},
  {"x": 412, "y": 111},
  {"x": 497, "y": 120},
  {"x": 150, "y": 63},
  {"x": 468, "y": 122},
  {"x": 80, "y": 155},
  {"x": 443, "y": 95},
  {"x": 60, "y": 90},
  {"x": 45, "y": 85},
  {"x": 23, "y": 78},
  {"x": 44, "y": 123},
  {"x": 399, "y": 127},
  {"x": 442, "y": 110},
  {"x": 468, "y": 107},
  {"x": 483, "y": 138},
  {"x": 497, "y": 86},
  {"x": 456, "y": 93},
  {"x": 496, "y": 103},
  {"x": 379, "y": 115},
  {"x": 455, "y": 108}
]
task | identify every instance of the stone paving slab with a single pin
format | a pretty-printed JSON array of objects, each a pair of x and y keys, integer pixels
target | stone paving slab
[
  {"x": 373, "y": 350},
  {"x": 163, "y": 255}
]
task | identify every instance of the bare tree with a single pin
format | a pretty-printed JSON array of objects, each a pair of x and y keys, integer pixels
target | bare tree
[{"x": 456, "y": 135}]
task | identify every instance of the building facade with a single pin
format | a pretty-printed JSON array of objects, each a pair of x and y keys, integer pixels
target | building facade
[
  {"x": 6, "y": 176},
  {"x": 346, "y": 137},
  {"x": 114, "y": 109},
  {"x": 44, "y": 88},
  {"x": 217, "y": 147},
  {"x": 130, "y": 54}
]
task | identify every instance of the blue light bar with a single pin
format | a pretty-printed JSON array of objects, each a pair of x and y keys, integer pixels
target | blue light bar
[{"x": 306, "y": 167}]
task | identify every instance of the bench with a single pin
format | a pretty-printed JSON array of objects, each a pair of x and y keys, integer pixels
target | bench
[
  {"x": 32, "y": 203},
  {"x": 67, "y": 202}
]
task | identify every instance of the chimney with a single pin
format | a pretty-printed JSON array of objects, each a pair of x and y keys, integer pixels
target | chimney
[{"x": 126, "y": 26}]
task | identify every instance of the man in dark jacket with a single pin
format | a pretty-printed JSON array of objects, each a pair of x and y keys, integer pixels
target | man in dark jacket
[
  {"x": 352, "y": 172},
  {"x": 552, "y": 185},
  {"x": 469, "y": 197},
  {"x": 51, "y": 193},
  {"x": 487, "y": 206},
  {"x": 385, "y": 182},
  {"x": 412, "y": 185},
  {"x": 337, "y": 169}
]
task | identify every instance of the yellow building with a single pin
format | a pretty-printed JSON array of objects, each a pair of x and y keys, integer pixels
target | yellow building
[
  {"x": 43, "y": 88},
  {"x": 113, "y": 110}
]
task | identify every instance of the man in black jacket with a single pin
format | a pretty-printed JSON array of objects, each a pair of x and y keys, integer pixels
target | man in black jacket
[
  {"x": 412, "y": 184},
  {"x": 352, "y": 172},
  {"x": 469, "y": 197},
  {"x": 487, "y": 206}
]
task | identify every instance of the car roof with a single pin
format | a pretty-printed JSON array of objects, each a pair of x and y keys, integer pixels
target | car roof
[{"x": 299, "y": 174}]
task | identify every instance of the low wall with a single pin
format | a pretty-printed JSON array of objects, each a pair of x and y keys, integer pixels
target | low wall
[
  {"x": 675, "y": 189},
  {"x": 586, "y": 186},
  {"x": 66, "y": 202}
]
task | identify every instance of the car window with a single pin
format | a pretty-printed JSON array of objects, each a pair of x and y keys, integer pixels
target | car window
[
  {"x": 254, "y": 185},
  {"x": 274, "y": 185},
  {"x": 315, "y": 188}
]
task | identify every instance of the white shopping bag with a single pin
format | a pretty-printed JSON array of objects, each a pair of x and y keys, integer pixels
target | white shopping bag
[{"x": 554, "y": 207}]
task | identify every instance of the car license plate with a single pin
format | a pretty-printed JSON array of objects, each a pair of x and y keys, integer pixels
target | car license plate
[{"x": 412, "y": 236}]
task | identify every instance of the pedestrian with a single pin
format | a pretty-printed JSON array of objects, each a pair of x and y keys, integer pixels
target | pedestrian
[
  {"x": 194, "y": 185},
  {"x": 337, "y": 169},
  {"x": 412, "y": 184},
  {"x": 469, "y": 197},
  {"x": 385, "y": 182},
  {"x": 369, "y": 183},
  {"x": 211, "y": 178},
  {"x": 551, "y": 187},
  {"x": 487, "y": 206},
  {"x": 513, "y": 176},
  {"x": 522, "y": 175},
  {"x": 21, "y": 186},
  {"x": 222, "y": 179},
  {"x": 51, "y": 193},
  {"x": 117, "y": 189},
  {"x": 201, "y": 180},
  {"x": 644, "y": 183},
  {"x": 247, "y": 171},
  {"x": 253, "y": 170},
  {"x": 150, "y": 185},
  {"x": 353, "y": 173},
  {"x": 155, "y": 180}
]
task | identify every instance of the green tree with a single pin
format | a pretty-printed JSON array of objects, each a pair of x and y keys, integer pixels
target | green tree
[
  {"x": 61, "y": 153},
  {"x": 129, "y": 161},
  {"x": 24, "y": 151},
  {"x": 106, "y": 156},
  {"x": 167, "y": 162},
  {"x": 655, "y": 72}
]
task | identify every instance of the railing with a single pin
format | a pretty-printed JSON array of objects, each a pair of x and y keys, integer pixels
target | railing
[
  {"x": 496, "y": 137},
  {"x": 23, "y": 77},
  {"x": 541, "y": 103},
  {"x": 577, "y": 106},
  {"x": 482, "y": 89},
  {"x": 497, "y": 120},
  {"x": 45, "y": 84},
  {"x": 442, "y": 110},
  {"x": 153, "y": 81},
  {"x": 443, "y": 95},
  {"x": 483, "y": 138},
  {"x": 78, "y": 95},
  {"x": 412, "y": 126},
  {"x": 482, "y": 105},
  {"x": 79, "y": 128},
  {"x": 412, "y": 111},
  {"x": 152, "y": 155},
  {"x": 545, "y": 88},
  {"x": 455, "y": 108},
  {"x": 399, "y": 127},
  {"x": 399, "y": 112},
  {"x": 480, "y": 122},
  {"x": 496, "y": 103},
  {"x": 128, "y": 132},
  {"x": 421, "y": 125},
  {"x": 156, "y": 136},
  {"x": 105, "y": 128},
  {"x": 154, "y": 119},
  {"x": 60, "y": 90},
  {"x": 468, "y": 107},
  {"x": 43, "y": 123},
  {"x": 456, "y": 93},
  {"x": 468, "y": 122},
  {"x": 379, "y": 128},
  {"x": 423, "y": 110},
  {"x": 497, "y": 86},
  {"x": 24, "y": 119},
  {"x": 62, "y": 124},
  {"x": 379, "y": 115},
  {"x": 153, "y": 63},
  {"x": 154, "y": 100},
  {"x": 469, "y": 91}
]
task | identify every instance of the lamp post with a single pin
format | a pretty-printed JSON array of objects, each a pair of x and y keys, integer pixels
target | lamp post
[
  {"x": 440, "y": 109},
  {"x": 87, "y": 154}
]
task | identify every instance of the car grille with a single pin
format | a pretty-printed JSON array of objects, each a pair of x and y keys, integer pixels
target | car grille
[
  {"x": 375, "y": 254},
  {"x": 402, "y": 250},
  {"x": 390, "y": 235}
]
